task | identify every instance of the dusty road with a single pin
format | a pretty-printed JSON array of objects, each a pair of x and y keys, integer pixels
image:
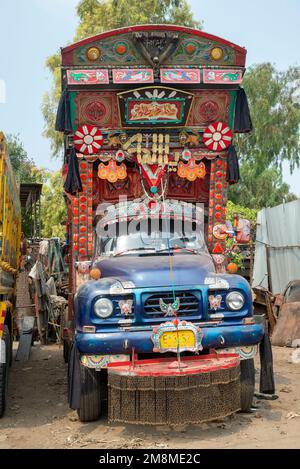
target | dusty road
[{"x": 38, "y": 416}]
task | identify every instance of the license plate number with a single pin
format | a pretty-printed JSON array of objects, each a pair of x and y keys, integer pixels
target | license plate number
[{"x": 175, "y": 339}]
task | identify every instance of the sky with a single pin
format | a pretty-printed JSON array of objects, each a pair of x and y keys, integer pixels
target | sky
[{"x": 31, "y": 30}]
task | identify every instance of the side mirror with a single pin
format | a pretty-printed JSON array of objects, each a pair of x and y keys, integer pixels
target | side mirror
[{"x": 279, "y": 299}]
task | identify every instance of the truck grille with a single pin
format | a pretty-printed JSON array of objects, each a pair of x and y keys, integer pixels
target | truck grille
[{"x": 189, "y": 305}]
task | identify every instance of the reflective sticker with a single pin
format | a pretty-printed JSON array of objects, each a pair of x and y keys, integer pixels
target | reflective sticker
[{"x": 2, "y": 351}]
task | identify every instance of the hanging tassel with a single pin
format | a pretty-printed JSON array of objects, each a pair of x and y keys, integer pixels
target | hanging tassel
[
  {"x": 73, "y": 184},
  {"x": 233, "y": 170},
  {"x": 63, "y": 116},
  {"x": 242, "y": 120}
]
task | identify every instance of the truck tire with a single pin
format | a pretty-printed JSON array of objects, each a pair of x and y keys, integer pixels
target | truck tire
[
  {"x": 247, "y": 384},
  {"x": 4, "y": 367},
  {"x": 90, "y": 398}
]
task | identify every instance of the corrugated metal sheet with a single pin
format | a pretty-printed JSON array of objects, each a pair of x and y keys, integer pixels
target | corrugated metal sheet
[{"x": 277, "y": 249}]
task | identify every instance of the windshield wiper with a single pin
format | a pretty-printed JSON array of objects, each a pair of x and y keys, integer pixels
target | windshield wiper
[
  {"x": 193, "y": 251},
  {"x": 132, "y": 250}
]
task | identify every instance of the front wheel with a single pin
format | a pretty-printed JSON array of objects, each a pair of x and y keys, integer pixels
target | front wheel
[
  {"x": 90, "y": 396},
  {"x": 4, "y": 370},
  {"x": 247, "y": 384}
]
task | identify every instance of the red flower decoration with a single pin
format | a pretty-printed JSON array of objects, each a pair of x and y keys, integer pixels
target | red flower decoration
[
  {"x": 217, "y": 136},
  {"x": 88, "y": 140}
]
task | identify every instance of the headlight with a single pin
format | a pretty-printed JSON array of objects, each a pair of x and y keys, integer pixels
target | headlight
[
  {"x": 103, "y": 308},
  {"x": 235, "y": 300}
]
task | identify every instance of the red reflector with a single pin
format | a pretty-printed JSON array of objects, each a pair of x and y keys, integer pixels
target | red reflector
[
  {"x": 89, "y": 329},
  {"x": 247, "y": 321}
]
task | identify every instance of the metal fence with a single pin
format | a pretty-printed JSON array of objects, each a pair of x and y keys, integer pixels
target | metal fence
[{"x": 277, "y": 247}]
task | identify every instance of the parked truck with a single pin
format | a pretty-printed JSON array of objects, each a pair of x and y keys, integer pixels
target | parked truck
[
  {"x": 149, "y": 114},
  {"x": 10, "y": 238}
]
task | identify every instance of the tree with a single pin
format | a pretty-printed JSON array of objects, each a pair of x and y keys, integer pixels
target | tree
[
  {"x": 24, "y": 167},
  {"x": 53, "y": 207},
  {"x": 96, "y": 16},
  {"x": 274, "y": 139}
]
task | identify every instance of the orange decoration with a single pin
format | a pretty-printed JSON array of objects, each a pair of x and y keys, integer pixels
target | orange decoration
[
  {"x": 232, "y": 268},
  {"x": 95, "y": 274},
  {"x": 191, "y": 170},
  {"x": 112, "y": 172}
]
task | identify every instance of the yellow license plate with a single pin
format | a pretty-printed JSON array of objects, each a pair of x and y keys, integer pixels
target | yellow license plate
[{"x": 173, "y": 339}]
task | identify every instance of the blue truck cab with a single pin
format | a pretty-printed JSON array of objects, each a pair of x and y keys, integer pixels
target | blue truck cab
[{"x": 142, "y": 271}]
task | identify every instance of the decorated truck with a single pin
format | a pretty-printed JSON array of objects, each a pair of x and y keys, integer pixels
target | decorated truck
[
  {"x": 10, "y": 238},
  {"x": 149, "y": 115}
]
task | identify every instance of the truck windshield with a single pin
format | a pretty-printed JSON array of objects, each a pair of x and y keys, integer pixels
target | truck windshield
[{"x": 142, "y": 240}]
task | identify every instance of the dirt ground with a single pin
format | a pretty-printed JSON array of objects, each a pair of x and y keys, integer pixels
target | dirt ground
[{"x": 38, "y": 416}]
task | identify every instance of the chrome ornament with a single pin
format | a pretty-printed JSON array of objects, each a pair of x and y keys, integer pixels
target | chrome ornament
[
  {"x": 126, "y": 307},
  {"x": 215, "y": 302},
  {"x": 169, "y": 309}
]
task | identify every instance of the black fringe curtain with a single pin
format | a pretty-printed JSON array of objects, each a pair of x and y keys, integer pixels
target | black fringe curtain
[
  {"x": 242, "y": 121},
  {"x": 73, "y": 184},
  {"x": 267, "y": 384},
  {"x": 233, "y": 170},
  {"x": 63, "y": 116}
]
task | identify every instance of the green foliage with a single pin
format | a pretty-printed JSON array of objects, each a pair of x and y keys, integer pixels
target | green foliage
[
  {"x": 243, "y": 212},
  {"x": 96, "y": 16},
  {"x": 275, "y": 138},
  {"x": 234, "y": 254},
  {"x": 24, "y": 167},
  {"x": 49, "y": 106},
  {"x": 53, "y": 211}
]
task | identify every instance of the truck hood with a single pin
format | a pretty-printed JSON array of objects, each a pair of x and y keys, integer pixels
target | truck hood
[{"x": 154, "y": 271}]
